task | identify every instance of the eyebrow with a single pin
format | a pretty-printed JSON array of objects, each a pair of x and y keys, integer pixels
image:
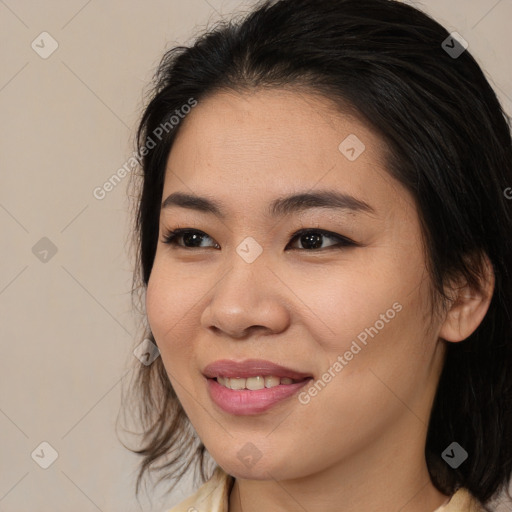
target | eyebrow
[{"x": 279, "y": 207}]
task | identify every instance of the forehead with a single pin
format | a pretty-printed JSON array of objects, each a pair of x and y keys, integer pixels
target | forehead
[{"x": 270, "y": 142}]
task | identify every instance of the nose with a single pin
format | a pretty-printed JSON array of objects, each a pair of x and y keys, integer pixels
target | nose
[{"x": 249, "y": 298}]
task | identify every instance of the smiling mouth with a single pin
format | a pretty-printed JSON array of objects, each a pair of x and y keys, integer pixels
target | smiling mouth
[
  {"x": 250, "y": 395},
  {"x": 255, "y": 383},
  {"x": 252, "y": 386}
]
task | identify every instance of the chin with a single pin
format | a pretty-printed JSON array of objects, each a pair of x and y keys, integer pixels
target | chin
[
  {"x": 241, "y": 472},
  {"x": 247, "y": 469}
]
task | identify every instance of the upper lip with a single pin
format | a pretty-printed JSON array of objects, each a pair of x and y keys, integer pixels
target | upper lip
[{"x": 250, "y": 368}]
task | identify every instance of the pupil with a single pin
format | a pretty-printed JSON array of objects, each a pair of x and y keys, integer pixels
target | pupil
[
  {"x": 311, "y": 239},
  {"x": 191, "y": 236}
]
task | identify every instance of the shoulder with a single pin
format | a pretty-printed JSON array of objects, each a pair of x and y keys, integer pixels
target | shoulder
[
  {"x": 213, "y": 495},
  {"x": 462, "y": 501}
]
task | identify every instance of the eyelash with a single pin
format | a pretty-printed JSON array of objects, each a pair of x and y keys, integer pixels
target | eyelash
[{"x": 170, "y": 237}]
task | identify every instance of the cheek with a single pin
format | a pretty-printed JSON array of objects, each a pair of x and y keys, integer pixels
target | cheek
[
  {"x": 168, "y": 301},
  {"x": 162, "y": 311},
  {"x": 170, "y": 310},
  {"x": 374, "y": 316},
  {"x": 163, "y": 316},
  {"x": 338, "y": 307}
]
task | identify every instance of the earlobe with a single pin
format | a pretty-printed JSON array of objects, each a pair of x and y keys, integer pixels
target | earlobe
[{"x": 468, "y": 306}]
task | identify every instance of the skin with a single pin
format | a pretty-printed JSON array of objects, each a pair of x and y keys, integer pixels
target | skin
[{"x": 359, "y": 443}]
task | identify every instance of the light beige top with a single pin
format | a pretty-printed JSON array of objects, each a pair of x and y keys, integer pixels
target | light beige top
[{"x": 213, "y": 496}]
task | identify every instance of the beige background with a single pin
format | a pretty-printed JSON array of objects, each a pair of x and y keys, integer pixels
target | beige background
[{"x": 67, "y": 328}]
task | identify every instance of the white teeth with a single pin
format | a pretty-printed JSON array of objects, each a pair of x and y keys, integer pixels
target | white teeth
[
  {"x": 270, "y": 381},
  {"x": 253, "y": 383},
  {"x": 237, "y": 383}
]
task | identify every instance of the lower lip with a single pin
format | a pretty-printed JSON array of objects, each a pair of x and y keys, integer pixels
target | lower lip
[{"x": 251, "y": 402}]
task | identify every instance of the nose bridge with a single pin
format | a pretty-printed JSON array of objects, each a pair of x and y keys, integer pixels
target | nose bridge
[
  {"x": 249, "y": 250},
  {"x": 246, "y": 278}
]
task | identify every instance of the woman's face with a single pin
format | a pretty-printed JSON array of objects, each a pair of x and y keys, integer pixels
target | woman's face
[{"x": 353, "y": 317}]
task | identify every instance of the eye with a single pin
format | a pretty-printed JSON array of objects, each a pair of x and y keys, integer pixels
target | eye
[
  {"x": 310, "y": 239},
  {"x": 192, "y": 236}
]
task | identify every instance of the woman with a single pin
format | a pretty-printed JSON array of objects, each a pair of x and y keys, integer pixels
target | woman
[{"x": 323, "y": 238}]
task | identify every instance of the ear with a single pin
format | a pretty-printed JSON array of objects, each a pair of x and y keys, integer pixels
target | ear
[{"x": 468, "y": 306}]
